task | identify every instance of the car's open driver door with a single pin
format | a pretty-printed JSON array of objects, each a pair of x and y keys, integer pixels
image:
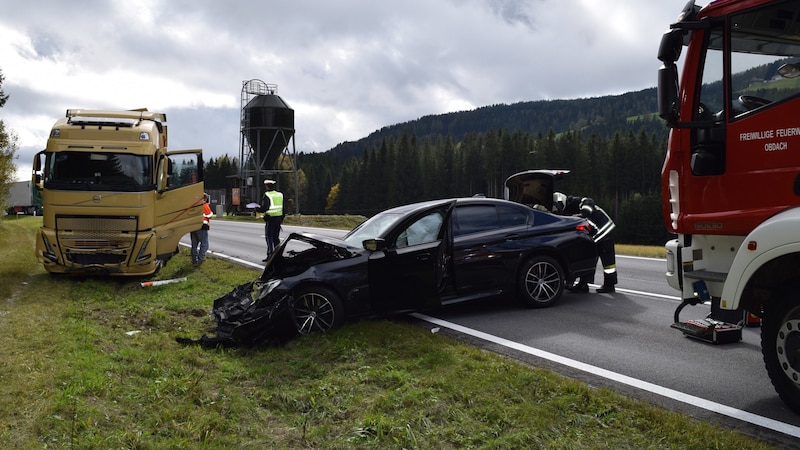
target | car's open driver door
[{"x": 409, "y": 273}]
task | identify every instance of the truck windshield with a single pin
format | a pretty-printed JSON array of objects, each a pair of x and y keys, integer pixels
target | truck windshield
[{"x": 98, "y": 171}]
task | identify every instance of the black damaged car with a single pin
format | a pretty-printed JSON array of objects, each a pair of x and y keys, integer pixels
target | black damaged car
[{"x": 410, "y": 258}]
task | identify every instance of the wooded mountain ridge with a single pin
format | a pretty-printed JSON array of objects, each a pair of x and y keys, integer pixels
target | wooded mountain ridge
[{"x": 602, "y": 116}]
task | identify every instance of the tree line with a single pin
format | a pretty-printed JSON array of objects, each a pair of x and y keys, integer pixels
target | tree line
[
  {"x": 9, "y": 144},
  {"x": 620, "y": 172}
]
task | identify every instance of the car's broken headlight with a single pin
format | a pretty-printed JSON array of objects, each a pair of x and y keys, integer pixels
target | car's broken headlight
[{"x": 265, "y": 288}]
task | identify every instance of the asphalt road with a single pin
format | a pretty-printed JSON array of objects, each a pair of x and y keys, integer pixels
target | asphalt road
[{"x": 622, "y": 341}]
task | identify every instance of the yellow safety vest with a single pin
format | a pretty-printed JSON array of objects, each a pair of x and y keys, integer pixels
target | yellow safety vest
[{"x": 275, "y": 203}]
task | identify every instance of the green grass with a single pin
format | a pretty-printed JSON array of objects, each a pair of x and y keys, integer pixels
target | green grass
[
  {"x": 641, "y": 250},
  {"x": 93, "y": 363}
]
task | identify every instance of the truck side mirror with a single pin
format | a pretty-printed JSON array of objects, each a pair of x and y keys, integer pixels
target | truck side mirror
[
  {"x": 162, "y": 173},
  {"x": 668, "y": 93},
  {"x": 36, "y": 177},
  {"x": 671, "y": 45}
]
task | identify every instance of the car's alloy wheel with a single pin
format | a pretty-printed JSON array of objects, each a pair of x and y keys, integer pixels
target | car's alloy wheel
[
  {"x": 317, "y": 310},
  {"x": 541, "y": 281}
]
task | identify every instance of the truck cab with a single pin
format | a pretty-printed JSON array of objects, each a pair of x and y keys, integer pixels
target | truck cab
[
  {"x": 115, "y": 200},
  {"x": 731, "y": 177}
]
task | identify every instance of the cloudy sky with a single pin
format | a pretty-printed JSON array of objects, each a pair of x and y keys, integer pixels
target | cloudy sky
[{"x": 346, "y": 67}]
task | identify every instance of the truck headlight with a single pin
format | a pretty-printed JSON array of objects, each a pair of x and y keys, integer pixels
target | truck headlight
[{"x": 142, "y": 256}]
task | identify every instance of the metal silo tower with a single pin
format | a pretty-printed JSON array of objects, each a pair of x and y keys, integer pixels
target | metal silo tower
[{"x": 266, "y": 132}]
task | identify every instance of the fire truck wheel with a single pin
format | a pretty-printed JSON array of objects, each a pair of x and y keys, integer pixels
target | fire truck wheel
[
  {"x": 317, "y": 309},
  {"x": 541, "y": 281},
  {"x": 780, "y": 345}
]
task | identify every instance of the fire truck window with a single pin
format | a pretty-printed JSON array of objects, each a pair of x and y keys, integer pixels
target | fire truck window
[
  {"x": 708, "y": 141},
  {"x": 762, "y": 41},
  {"x": 712, "y": 94}
]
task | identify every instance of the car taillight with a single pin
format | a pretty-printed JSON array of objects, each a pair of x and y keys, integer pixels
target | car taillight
[{"x": 584, "y": 227}]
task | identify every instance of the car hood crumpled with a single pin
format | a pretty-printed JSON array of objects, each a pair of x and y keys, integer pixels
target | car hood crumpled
[
  {"x": 300, "y": 251},
  {"x": 249, "y": 315}
]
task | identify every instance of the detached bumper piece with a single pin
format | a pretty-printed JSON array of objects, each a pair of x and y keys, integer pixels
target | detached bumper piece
[
  {"x": 710, "y": 330},
  {"x": 243, "y": 321}
]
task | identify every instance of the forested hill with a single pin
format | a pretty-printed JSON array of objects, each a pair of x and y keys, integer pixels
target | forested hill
[
  {"x": 614, "y": 146},
  {"x": 602, "y": 116}
]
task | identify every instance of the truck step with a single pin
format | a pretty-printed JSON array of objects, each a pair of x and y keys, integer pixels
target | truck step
[
  {"x": 706, "y": 275},
  {"x": 710, "y": 330}
]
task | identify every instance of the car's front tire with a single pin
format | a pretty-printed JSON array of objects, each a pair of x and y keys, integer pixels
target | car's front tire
[
  {"x": 317, "y": 309},
  {"x": 541, "y": 281}
]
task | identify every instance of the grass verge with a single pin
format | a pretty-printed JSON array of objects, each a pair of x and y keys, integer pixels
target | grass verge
[{"x": 93, "y": 363}]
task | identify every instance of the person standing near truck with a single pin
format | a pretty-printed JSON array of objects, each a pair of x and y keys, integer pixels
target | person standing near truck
[
  {"x": 200, "y": 237},
  {"x": 272, "y": 207}
]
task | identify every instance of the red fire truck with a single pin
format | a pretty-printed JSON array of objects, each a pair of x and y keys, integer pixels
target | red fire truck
[{"x": 731, "y": 179}]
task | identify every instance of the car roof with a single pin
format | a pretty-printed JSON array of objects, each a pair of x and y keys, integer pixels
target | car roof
[
  {"x": 404, "y": 209},
  {"x": 556, "y": 174},
  {"x": 411, "y": 207}
]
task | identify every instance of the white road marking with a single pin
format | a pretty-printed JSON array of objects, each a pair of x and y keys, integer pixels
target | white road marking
[
  {"x": 229, "y": 258},
  {"x": 708, "y": 405},
  {"x": 702, "y": 403}
]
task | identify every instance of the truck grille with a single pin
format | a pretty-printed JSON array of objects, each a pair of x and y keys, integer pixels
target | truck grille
[{"x": 97, "y": 240}]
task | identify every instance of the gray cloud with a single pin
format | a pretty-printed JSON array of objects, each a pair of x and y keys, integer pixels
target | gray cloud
[{"x": 347, "y": 67}]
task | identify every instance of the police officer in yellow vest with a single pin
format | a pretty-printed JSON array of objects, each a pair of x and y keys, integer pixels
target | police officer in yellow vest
[{"x": 272, "y": 207}]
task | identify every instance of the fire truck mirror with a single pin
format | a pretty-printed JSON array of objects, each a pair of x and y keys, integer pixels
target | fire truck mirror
[
  {"x": 668, "y": 93},
  {"x": 789, "y": 71},
  {"x": 671, "y": 44}
]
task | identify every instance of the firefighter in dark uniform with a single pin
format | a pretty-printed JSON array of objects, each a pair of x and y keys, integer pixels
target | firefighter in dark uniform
[{"x": 603, "y": 236}]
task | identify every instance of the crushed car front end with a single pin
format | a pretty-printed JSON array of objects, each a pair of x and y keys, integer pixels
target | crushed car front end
[{"x": 265, "y": 309}]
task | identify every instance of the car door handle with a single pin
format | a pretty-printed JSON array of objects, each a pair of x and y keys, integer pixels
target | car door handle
[
  {"x": 423, "y": 256},
  {"x": 512, "y": 237}
]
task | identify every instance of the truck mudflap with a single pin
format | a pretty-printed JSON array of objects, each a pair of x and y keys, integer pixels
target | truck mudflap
[{"x": 707, "y": 329}]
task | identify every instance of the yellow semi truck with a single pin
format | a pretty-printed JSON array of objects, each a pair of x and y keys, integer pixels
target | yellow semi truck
[{"x": 115, "y": 201}]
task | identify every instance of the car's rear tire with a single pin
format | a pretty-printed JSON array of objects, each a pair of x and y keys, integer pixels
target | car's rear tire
[
  {"x": 541, "y": 281},
  {"x": 780, "y": 346},
  {"x": 317, "y": 309}
]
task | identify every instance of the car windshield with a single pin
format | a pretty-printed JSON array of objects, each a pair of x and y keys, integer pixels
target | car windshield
[{"x": 372, "y": 228}]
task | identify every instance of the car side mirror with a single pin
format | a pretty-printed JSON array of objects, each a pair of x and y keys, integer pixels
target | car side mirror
[{"x": 374, "y": 245}]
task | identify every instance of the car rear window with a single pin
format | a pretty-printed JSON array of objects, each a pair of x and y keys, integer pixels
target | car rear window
[
  {"x": 511, "y": 216},
  {"x": 478, "y": 218}
]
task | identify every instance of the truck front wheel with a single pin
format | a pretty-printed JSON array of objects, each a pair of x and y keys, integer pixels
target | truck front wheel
[{"x": 780, "y": 345}]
